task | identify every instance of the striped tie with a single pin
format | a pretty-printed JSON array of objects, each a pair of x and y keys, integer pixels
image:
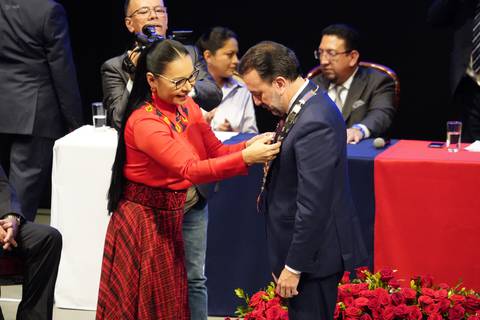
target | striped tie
[
  {"x": 476, "y": 40},
  {"x": 338, "y": 98}
]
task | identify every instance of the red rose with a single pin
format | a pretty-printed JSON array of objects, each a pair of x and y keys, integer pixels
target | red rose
[
  {"x": 353, "y": 312},
  {"x": 440, "y": 294},
  {"x": 456, "y": 312},
  {"x": 373, "y": 303},
  {"x": 435, "y": 316},
  {"x": 425, "y": 300},
  {"x": 443, "y": 286},
  {"x": 474, "y": 318},
  {"x": 472, "y": 304},
  {"x": 431, "y": 308},
  {"x": 401, "y": 311},
  {"x": 428, "y": 292},
  {"x": 346, "y": 277},
  {"x": 275, "y": 312},
  {"x": 383, "y": 296},
  {"x": 360, "y": 273},
  {"x": 394, "y": 283},
  {"x": 397, "y": 298},
  {"x": 348, "y": 301},
  {"x": 274, "y": 302},
  {"x": 337, "y": 311},
  {"x": 425, "y": 281},
  {"x": 443, "y": 304},
  {"x": 365, "y": 316},
  {"x": 386, "y": 275},
  {"x": 457, "y": 299},
  {"x": 415, "y": 313},
  {"x": 257, "y": 298},
  {"x": 388, "y": 313},
  {"x": 360, "y": 302},
  {"x": 409, "y": 293}
]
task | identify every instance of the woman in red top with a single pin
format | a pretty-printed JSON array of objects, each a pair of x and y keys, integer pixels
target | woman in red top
[{"x": 165, "y": 147}]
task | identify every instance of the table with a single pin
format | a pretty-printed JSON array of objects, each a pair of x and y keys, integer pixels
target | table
[
  {"x": 428, "y": 213},
  {"x": 82, "y": 162}
]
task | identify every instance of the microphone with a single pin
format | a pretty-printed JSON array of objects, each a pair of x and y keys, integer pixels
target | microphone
[{"x": 379, "y": 142}]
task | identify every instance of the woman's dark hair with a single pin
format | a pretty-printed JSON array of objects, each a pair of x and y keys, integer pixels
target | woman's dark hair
[
  {"x": 214, "y": 39},
  {"x": 153, "y": 59}
]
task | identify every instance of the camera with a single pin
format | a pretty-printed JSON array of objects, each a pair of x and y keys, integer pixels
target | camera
[{"x": 144, "y": 39}]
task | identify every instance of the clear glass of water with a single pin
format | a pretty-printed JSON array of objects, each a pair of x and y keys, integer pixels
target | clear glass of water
[
  {"x": 99, "y": 114},
  {"x": 454, "y": 133}
]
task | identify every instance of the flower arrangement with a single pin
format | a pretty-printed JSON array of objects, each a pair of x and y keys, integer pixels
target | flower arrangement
[
  {"x": 376, "y": 296},
  {"x": 263, "y": 305},
  {"x": 380, "y": 296}
]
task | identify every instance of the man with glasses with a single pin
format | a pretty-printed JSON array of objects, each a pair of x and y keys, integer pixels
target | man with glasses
[
  {"x": 117, "y": 84},
  {"x": 117, "y": 77},
  {"x": 364, "y": 96}
]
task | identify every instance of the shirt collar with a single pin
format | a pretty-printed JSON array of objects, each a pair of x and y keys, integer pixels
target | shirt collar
[
  {"x": 295, "y": 96},
  {"x": 348, "y": 83}
]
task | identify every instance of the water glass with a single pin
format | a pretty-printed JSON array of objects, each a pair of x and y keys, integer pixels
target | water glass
[
  {"x": 99, "y": 114},
  {"x": 454, "y": 133}
]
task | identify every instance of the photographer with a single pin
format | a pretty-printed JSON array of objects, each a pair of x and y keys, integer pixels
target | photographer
[{"x": 117, "y": 72}]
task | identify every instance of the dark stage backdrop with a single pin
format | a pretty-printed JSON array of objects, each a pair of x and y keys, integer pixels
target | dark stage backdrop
[{"x": 395, "y": 33}]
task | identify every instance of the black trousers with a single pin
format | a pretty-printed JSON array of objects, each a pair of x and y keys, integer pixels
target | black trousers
[
  {"x": 40, "y": 247},
  {"x": 316, "y": 298},
  {"x": 466, "y": 100},
  {"x": 27, "y": 161}
]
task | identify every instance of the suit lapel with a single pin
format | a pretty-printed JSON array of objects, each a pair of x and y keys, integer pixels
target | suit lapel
[{"x": 356, "y": 90}]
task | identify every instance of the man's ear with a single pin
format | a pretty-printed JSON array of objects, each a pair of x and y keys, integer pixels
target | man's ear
[
  {"x": 355, "y": 57},
  {"x": 280, "y": 84},
  {"x": 129, "y": 24}
]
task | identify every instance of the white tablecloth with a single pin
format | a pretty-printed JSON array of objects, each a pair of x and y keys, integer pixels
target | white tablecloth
[{"x": 82, "y": 162}]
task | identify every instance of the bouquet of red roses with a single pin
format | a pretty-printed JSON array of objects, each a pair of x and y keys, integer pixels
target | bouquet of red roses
[
  {"x": 380, "y": 296},
  {"x": 263, "y": 305}
]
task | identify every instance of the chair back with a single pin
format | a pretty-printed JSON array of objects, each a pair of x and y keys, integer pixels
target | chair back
[
  {"x": 11, "y": 270},
  {"x": 317, "y": 70}
]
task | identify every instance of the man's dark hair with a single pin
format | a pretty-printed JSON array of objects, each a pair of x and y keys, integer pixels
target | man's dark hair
[
  {"x": 270, "y": 60},
  {"x": 125, "y": 7},
  {"x": 214, "y": 39},
  {"x": 345, "y": 32}
]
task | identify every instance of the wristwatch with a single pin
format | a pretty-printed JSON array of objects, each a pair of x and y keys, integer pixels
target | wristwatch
[{"x": 16, "y": 217}]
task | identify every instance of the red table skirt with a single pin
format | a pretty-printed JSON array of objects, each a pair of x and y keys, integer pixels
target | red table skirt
[{"x": 427, "y": 218}]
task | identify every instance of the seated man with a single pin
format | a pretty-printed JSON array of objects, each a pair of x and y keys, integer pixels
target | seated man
[
  {"x": 39, "y": 246},
  {"x": 117, "y": 80},
  {"x": 364, "y": 96}
]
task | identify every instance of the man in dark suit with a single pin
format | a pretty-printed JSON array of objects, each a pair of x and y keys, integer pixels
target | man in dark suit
[
  {"x": 39, "y": 246},
  {"x": 310, "y": 219},
  {"x": 364, "y": 96},
  {"x": 39, "y": 97},
  {"x": 117, "y": 82},
  {"x": 464, "y": 17}
]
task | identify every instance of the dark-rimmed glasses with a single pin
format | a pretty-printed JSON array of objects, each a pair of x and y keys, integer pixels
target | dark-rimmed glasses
[
  {"x": 179, "y": 83},
  {"x": 147, "y": 11},
  {"x": 330, "y": 54}
]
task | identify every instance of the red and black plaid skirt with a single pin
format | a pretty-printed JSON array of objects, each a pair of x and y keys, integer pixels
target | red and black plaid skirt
[{"x": 143, "y": 269}]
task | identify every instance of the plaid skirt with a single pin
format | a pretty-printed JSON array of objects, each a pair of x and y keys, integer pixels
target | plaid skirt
[{"x": 143, "y": 269}]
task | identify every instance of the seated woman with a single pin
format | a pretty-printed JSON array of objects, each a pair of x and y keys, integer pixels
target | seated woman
[
  {"x": 164, "y": 147},
  {"x": 219, "y": 47}
]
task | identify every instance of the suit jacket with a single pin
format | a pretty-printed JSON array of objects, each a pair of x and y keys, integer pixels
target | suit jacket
[
  {"x": 38, "y": 86},
  {"x": 8, "y": 198},
  {"x": 310, "y": 218},
  {"x": 459, "y": 15},
  {"x": 370, "y": 100},
  {"x": 115, "y": 94}
]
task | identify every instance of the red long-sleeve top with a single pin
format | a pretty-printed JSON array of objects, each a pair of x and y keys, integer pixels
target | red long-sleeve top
[{"x": 159, "y": 156}]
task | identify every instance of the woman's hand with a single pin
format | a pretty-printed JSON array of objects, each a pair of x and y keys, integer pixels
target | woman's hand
[
  {"x": 259, "y": 136},
  {"x": 261, "y": 150}
]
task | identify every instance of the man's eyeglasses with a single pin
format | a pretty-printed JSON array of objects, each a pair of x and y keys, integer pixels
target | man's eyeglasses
[
  {"x": 179, "y": 83},
  {"x": 330, "y": 54},
  {"x": 147, "y": 11}
]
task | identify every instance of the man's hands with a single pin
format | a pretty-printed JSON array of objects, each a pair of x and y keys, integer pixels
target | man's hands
[
  {"x": 287, "y": 283},
  {"x": 354, "y": 135},
  {"x": 8, "y": 232}
]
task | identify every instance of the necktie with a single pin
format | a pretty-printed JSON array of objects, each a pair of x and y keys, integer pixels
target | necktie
[
  {"x": 338, "y": 98},
  {"x": 476, "y": 40}
]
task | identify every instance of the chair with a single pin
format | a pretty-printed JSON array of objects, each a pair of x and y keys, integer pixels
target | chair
[
  {"x": 317, "y": 70},
  {"x": 11, "y": 270}
]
